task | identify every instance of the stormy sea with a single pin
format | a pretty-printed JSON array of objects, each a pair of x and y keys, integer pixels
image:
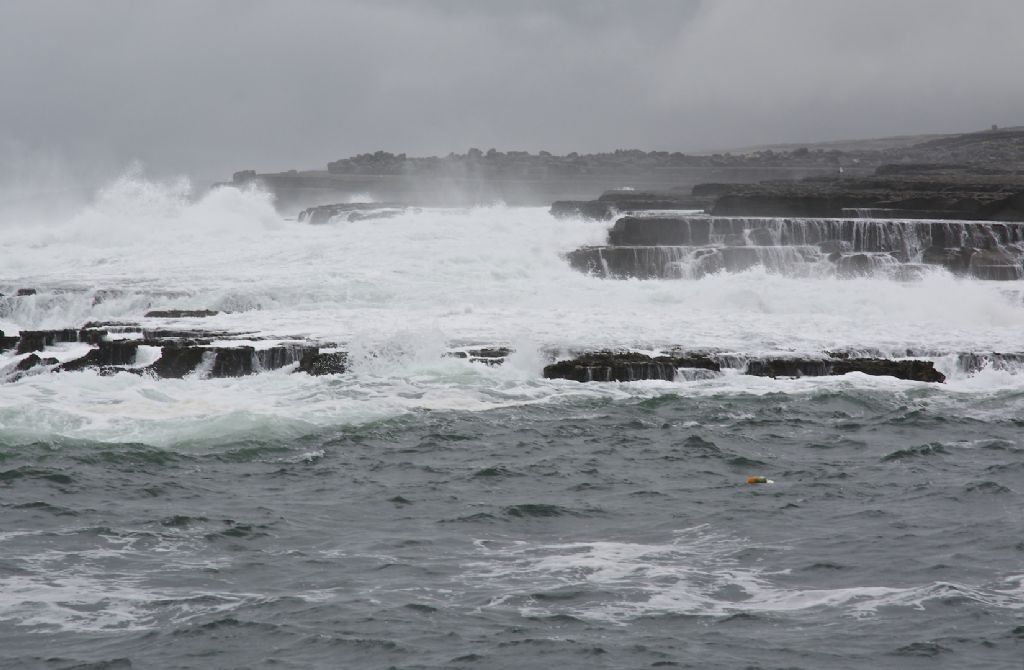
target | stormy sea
[{"x": 427, "y": 508}]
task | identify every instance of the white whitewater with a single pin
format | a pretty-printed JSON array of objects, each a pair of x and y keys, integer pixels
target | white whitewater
[{"x": 398, "y": 292}]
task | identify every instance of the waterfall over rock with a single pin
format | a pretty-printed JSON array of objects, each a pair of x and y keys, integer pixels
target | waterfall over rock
[{"x": 690, "y": 247}]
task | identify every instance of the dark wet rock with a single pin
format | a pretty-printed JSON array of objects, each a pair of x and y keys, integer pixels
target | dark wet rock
[
  {"x": 217, "y": 362},
  {"x": 349, "y": 211},
  {"x": 37, "y": 340},
  {"x": 605, "y": 366},
  {"x": 970, "y": 363},
  {"x": 789, "y": 367},
  {"x": 93, "y": 335},
  {"x": 490, "y": 352},
  {"x": 667, "y": 231},
  {"x": 864, "y": 264},
  {"x": 181, "y": 313},
  {"x": 28, "y": 362},
  {"x": 905, "y": 237},
  {"x": 328, "y": 363},
  {"x": 7, "y": 342},
  {"x": 176, "y": 362},
  {"x": 686, "y": 262},
  {"x": 694, "y": 246},
  {"x": 913, "y": 370},
  {"x": 26, "y": 291},
  {"x": 487, "y": 355},
  {"x": 945, "y": 196},
  {"x": 128, "y": 326},
  {"x": 114, "y": 353},
  {"x": 609, "y": 366}
]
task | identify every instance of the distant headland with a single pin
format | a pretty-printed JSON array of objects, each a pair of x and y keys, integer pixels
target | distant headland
[{"x": 522, "y": 178}]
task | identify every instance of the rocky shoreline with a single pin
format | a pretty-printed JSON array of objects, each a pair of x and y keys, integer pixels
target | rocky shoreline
[
  {"x": 123, "y": 347},
  {"x": 899, "y": 224}
]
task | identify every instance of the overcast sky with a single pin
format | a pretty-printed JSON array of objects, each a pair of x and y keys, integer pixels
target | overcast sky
[{"x": 206, "y": 87}]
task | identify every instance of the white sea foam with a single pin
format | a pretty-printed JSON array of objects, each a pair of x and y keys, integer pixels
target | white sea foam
[
  {"x": 698, "y": 573},
  {"x": 397, "y": 293}
]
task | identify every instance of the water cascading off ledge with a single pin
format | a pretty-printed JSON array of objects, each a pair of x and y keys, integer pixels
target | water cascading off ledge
[{"x": 690, "y": 247}]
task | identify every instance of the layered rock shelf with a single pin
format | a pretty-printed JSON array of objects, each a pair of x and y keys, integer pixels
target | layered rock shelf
[
  {"x": 612, "y": 203},
  {"x": 690, "y": 247},
  {"x": 925, "y": 195}
]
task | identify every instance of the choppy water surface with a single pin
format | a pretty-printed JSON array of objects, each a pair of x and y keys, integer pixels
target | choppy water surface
[{"x": 424, "y": 512}]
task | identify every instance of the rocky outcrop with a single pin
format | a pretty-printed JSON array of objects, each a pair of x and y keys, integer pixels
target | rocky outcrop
[
  {"x": 31, "y": 361},
  {"x": 37, "y": 340},
  {"x": 486, "y": 355},
  {"x": 611, "y": 203},
  {"x": 180, "y": 313},
  {"x": 356, "y": 211},
  {"x": 328, "y": 363},
  {"x": 913, "y": 370},
  {"x": 114, "y": 353},
  {"x": 607, "y": 366},
  {"x": 690, "y": 247},
  {"x": 7, "y": 342},
  {"x": 115, "y": 348},
  {"x": 973, "y": 362},
  {"x": 218, "y": 362}
]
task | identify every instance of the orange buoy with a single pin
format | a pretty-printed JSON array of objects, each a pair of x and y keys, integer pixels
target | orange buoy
[{"x": 758, "y": 479}]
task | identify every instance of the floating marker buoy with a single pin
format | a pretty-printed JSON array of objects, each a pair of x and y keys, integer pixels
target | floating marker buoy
[{"x": 757, "y": 479}]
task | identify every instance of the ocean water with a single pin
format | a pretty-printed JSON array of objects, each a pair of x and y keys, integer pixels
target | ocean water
[{"x": 429, "y": 512}]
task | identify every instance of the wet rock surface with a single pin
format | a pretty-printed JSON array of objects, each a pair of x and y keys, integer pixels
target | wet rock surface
[
  {"x": 353, "y": 211},
  {"x": 37, "y": 340},
  {"x": 611, "y": 203},
  {"x": 486, "y": 355},
  {"x": 328, "y": 363},
  {"x": 913, "y": 370},
  {"x": 607, "y": 366},
  {"x": 113, "y": 353},
  {"x": 181, "y": 313},
  {"x": 184, "y": 357},
  {"x": 690, "y": 247},
  {"x": 115, "y": 348}
]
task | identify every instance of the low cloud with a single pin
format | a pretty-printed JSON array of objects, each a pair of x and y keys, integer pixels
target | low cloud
[{"x": 207, "y": 87}]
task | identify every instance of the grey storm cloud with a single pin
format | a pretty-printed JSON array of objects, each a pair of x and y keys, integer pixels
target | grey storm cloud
[{"x": 206, "y": 86}]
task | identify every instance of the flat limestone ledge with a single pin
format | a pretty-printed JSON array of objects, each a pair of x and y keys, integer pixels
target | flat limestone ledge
[
  {"x": 692, "y": 262},
  {"x": 892, "y": 235},
  {"x": 612, "y": 203},
  {"x": 607, "y": 366},
  {"x": 943, "y": 196}
]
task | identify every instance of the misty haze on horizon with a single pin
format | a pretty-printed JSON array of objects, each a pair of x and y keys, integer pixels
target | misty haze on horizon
[{"x": 205, "y": 88}]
